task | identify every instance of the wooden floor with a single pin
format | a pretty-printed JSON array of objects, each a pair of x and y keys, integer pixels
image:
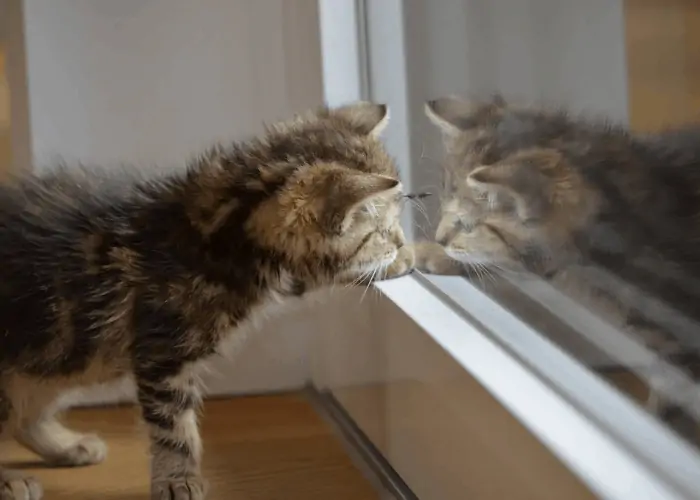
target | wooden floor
[{"x": 256, "y": 448}]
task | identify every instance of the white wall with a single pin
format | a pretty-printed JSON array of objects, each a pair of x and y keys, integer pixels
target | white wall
[
  {"x": 342, "y": 52},
  {"x": 561, "y": 51},
  {"x": 155, "y": 81}
]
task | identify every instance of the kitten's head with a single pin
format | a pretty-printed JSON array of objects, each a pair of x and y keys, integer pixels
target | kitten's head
[
  {"x": 511, "y": 196},
  {"x": 334, "y": 194}
]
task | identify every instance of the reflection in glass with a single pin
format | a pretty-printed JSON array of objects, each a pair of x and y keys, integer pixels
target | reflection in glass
[{"x": 594, "y": 187}]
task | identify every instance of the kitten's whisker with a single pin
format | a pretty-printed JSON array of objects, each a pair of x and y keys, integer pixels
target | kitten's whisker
[
  {"x": 489, "y": 273},
  {"x": 506, "y": 270},
  {"x": 358, "y": 279},
  {"x": 369, "y": 284},
  {"x": 423, "y": 230},
  {"x": 480, "y": 274},
  {"x": 477, "y": 271},
  {"x": 366, "y": 276},
  {"x": 421, "y": 208}
]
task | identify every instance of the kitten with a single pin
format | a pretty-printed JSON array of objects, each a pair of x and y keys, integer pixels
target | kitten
[
  {"x": 562, "y": 197},
  {"x": 104, "y": 277}
]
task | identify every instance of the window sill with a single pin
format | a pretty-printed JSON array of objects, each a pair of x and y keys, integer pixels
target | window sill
[{"x": 489, "y": 395}]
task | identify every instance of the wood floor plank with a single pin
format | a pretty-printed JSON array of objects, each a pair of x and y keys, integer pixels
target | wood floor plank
[{"x": 256, "y": 448}]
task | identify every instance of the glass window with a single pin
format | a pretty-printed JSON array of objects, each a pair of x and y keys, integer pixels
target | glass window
[{"x": 563, "y": 170}]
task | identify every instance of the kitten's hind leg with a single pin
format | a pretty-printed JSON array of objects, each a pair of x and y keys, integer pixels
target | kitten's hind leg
[
  {"x": 45, "y": 435},
  {"x": 14, "y": 486}
]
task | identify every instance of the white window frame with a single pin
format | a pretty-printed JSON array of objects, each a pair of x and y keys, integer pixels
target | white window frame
[{"x": 610, "y": 443}]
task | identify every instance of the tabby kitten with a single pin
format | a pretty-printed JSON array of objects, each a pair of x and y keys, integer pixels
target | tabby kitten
[
  {"x": 104, "y": 277},
  {"x": 564, "y": 197}
]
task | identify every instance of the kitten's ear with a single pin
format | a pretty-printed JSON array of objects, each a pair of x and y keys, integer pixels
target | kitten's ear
[
  {"x": 365, "y": 117},
  {"x": 449, "y": 113},
  {"x": 452, "y": 113},
  {"x": 349, "y": 193}
]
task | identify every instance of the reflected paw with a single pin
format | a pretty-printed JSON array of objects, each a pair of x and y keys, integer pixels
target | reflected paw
[
  {"x": 185, "y": 488},
  {"x": 16, "y": 487},
  {"x": 432, "y": 259}
]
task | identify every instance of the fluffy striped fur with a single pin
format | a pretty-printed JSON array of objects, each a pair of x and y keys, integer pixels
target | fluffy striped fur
[
  {"x": 110, "y": 275},
  {"x": 610, "y": 217}
]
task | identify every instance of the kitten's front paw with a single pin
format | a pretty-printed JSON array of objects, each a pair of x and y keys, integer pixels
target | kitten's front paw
[
  {"x": 89, "y": 450},
  {"x": 182, "y": 488},
  {"x": 16, "y": 487},
  {"x": 403, "y": 264}
]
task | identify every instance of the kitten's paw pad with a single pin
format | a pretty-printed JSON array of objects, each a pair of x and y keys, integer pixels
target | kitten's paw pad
[
  {"x": 187, "y": 488},
  {"x": 403, "y": 264},
  {"x": 89, "y": 450},
  {"x": 16, "y": 487}
]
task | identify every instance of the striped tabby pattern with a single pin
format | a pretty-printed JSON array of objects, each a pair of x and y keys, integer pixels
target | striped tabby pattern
[{"x": 112, "y": 274}]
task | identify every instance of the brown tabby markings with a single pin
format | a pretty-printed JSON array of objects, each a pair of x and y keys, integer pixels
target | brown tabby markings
[
  {"x": 559, "y": 196},
  {"x": 107, "y": 275}
]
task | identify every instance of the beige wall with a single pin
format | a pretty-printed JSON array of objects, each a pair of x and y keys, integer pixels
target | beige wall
[
  {"x": 13, "y": 41},
  {"x": 154, "y": 82},
  {"x": 5, "y": 140},
  {"x": 663, "y": 43},
  {"x": 5, "y": 155},
  {"x": 4, "y": 92}
]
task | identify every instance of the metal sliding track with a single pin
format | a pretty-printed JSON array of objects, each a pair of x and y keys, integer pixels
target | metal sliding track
[{"x": 368, "y": 458}]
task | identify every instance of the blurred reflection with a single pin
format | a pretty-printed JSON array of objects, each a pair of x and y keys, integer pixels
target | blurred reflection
[{"x": 605, "y": 210}]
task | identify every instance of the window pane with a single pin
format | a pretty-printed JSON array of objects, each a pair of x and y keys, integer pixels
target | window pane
[{"x": 583, "y": 176}]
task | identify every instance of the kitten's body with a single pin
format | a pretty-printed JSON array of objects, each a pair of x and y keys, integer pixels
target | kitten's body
[
  {"x": 105, "y": 276},
  {"x": 610, "y": 217}
]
